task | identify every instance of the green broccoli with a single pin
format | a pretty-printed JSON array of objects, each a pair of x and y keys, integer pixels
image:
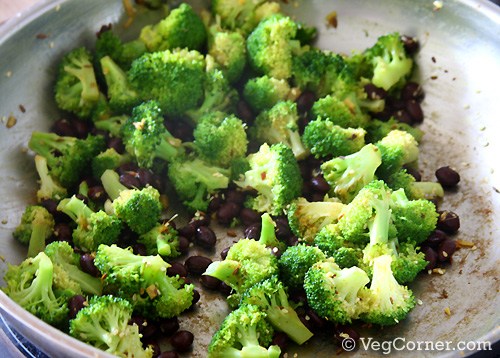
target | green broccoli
[
  {"x": 123, "y": 53},
  {"x": 146, "y": 138},
  {"x": 68, "y": 274},
  {"x": 36, "y": 226},
  {"x": 348, "y": 175},
  {"x": 195, "y": 180},
  {"x": 414, "y": 190},
  {"x": 49, "y": 187},
  {"x": 228, "y": 48},
  {"x": 306, "y": 34},
  {"x": 244, "y": 333},
  {"x": 342, "y": 112},
  {"x": 397, "y": 149},
  {"x": 407, "y": 262},
  {"x": 162, "y": 240},
  {"x": 67, "y": 157},
  {"x": 280, "y": 125},
  {"x": 94, "y": 228},
  {"x": 112, "y": 124},
  {"x": 271, "y": 297},
  {"x": 306, "y": 218},
  {"x": 143, "y": 281},
  {"x": 376, "y": 129},
  {"x": 104, "y": 323},
  {"x": 334, "y": 293},
  {"x": 174, "y": 78},
  {"x": 182, "y": 28},
  {"x": 220, "y": 138},
  {"x": 326, "y": 139},
  {"x": 122, "y": 98},
  {"x": 76, "y": 88},
  {"x": 271, "y": 45},
  {"x": 109, "y": 159},
  {"x": 30, "y": 285},
  {"x": 386, "y": 301},
  {"x": 139, "y": 209},
  {"x": 264, "y": 92},
  {"x": 295, "y": 261},
  {"x": 275, "y": 175}
]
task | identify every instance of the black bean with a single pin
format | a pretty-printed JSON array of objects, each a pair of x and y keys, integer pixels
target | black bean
[
  {"x": 205, "y": 237},
  {"x": 87, "y": 265},
  {"x": 414, "y": 110},
  {"x": 183, "y": 131},
  {"x": 130, "y": 181},
  {"x": 292, "y": 240},
  {"x": 187, "y": 231},
  {"x": 117, "y": 144},
  {"x": 97, "y": 193},
  {"x": 63, "y": 232},
  {"x": 249, "y": 216},
  {"x": 402, "y": 116},
  {"x": 51, "y": 206},
  {"x": 375, "y": 92},
  {"x": 75, "y": 304},
  {"x": 431, "y": 256},
  {"x": 447, "y": 177},
  {"x": 81, "y": 128},
  {"x": 223, "y": 253},
  {"x": 316, "y": 321},
  {"x": 225, "y": 289},
  {"x": 410, "y": 44},
  {"x": 196, "y": 299},
  {"x": 319, "y": 184},
  {"x": 183, "y": 245},
  {"x": 182, "y": 340},
  {"x": 139, "y": 249},
  {"x": 200, "y": 219},
  {"x": 145, "y": 176},
  {"x": 139, "y": 321},
  {"x": 412, "y": 90},
  {"x": 317, "y": 197},
  {"x": 298, "y": 296},
  {"x": 253, "y": 231},
  {"x": 149, "y": 330},
  {"x": 235, "y": 196},
  {"x": 435, "y": 238},
  {"x": 448, "y": 221},
  {"x": 64, "y": 128},
  {"x": 154, "y": 346},
  {"x": 196, "y": 265},
  {"x": 283, "y": 231},
  {"x": 215, "y": 203},
  {"x": 169, "y": 354},
  {"x": 280, "y": 339},
  {"x": 244, "y": 112},
  {"x": 349, "y": 331},
  {"x": 82, "y": 198},
  {"x": 177, "y": 268},
  {"x": 169, "y": 326},
  {"x": 414, "y": 172},
  {"x": 305, "y": 101},
  {"x": 210, "y": 282},
  {"x": 227, "y": 212},
  {"x": 130, "y": 167},
  {"x": 446, "y": 250}
]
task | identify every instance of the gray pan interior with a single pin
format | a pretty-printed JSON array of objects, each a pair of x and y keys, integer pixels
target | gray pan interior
[{"x": 459, "y": 67}]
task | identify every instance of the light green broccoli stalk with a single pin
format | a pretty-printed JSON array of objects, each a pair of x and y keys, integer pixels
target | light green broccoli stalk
[
  {"x": 49, "y": 187},
  {"x": 36, "y": 226}
]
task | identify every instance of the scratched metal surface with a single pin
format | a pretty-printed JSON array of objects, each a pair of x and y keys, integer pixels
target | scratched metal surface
[{"x": 461, "y": 125}]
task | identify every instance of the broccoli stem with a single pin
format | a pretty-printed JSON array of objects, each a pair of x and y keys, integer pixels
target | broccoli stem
[
  {"x": 76, "y": 209},
  {"x": 267, "y": 233},
  {"x": 85, "y": 73},
  {"x": 37, "y": 240},
  {"x": 349, "y": 281},
  {"x": 163, "y": 246},
  {"x": 48, "y": 187},
  {"x": 111, "y": 183},
  {"x": 168, "y": 148},
  {"x": 298, "y": 149},
  {"x": 379, "y": 227},
  {"x": 426, "y": 190},
  {"x": 226, "y": 271},
  {"x": 44, "y": 143}
]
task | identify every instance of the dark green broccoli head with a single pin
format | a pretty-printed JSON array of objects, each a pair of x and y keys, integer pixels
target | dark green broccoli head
[
  {"x": 173, "y": 78},
  {"x": 296, "y": 261},
  {"x": 275, "y": 175},
  {"x": 408, "y": 263},
  {"x": 228, "y": 48},
  {"x": 220, "y": 138},
  {"x": 397, "y": 149},
  {"x": 326, "y": 139},
  {"x": 122, "y": 98},
  {"x": 109, "y": 159},
  {"x": 414, "y": 190},
  {"x": 123, "y": 53},
  {"x": 76, "y": 88},
  {"x": 376, "y": 129},
  {"x": 264, "y": 92},
  {"x": 341, "y": 112},
  {"x": 161, "y": 240},
  {"x": 112, "y": 124},
  {"x": 182, "y": 28},
  {"x": 347, "y": 257},
  {"x": 270, "y": 46},
  {"x": 333, "y": 292},
  {"x": 330, "y": 239},
  {"x": 36, "y": 226}
]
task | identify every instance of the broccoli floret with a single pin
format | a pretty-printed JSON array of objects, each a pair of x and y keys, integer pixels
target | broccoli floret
[
  {"x": 76, "y": 88},
  {"x": 376, "y": 130},
  {"x": 347, "y": 175},
  {"x": 280, "y": 125},
  {"x": 248, "y": 261},
  {"x": 326, "y": 139},
  {"x": 264, "y": 92},
  {"x": 397, "y": 149},
  {"x": 30, "y": 285},
  {"x": 109, "y": 159},
  {"x": 407, "y": 262},
  {"x": 139, "y": 209},
  {"x": 333, "y": 292},
  {"x": 414, "y": 190},
  {"x": 347, "y": 257},
  {"x": 306, "y": 218},
  {"x": 143, "y": 281},
  {"x": 123, "y": 53},
  {"x": 413, "y": 219},
  {"x": 275, "y": 175},
  {"x": 36, "y": 226},
  {"x": 67, "y": 157},
  {"x": 122, "y": 98},
  {"x": 194, "y": 181},
  {"x": 228, "y": 48},
  {"x": 244, "y": 333},
  {"x": 330, "y": 238},
  {"x": 94, "y": 228},
  {"x": 295, "y": 261},
  {"x": 340, "y": 112},
  {"x": 182, "y": 28},
  {"x": 306, "y": 34},
  {"x": 220, "y": 138},
  {"x": 67, "y": 271},
  {"x": 270, "y": 46},
  {"x": 268, "y": 233},
  {"x": 162, "y": 240},
  {"x": 113, "y": 124},
  {"x": 387, "y": 302},
  {"x": 271, "y": 297},
  {"x": 146, "y": 138},
  {"x": 173, "y": 78},
  {"x": 389, "y": 65},
  {"x": 104, "y": 324},
  {"x": 49, "y": 187}
]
